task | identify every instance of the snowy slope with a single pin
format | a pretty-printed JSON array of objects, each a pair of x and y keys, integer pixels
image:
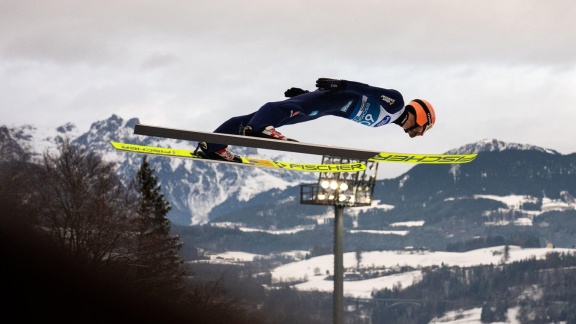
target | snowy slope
[{"x": 313, "y": 271}]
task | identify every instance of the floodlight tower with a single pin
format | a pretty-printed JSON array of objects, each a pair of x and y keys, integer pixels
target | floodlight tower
[{"x": 340, "y": 190}]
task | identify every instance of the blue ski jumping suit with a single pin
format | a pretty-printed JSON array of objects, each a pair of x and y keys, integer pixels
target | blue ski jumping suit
[{"x": 364, "y": 104}]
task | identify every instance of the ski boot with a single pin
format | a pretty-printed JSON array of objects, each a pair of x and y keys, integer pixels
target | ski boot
[{"x": 222, "y": 154}]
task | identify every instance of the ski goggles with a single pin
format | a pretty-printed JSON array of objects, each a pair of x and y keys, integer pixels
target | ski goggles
[{"x": 425, "y": 128}]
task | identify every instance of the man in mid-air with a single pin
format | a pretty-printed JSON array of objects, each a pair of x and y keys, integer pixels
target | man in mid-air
[{"x": 361, "y": 103}]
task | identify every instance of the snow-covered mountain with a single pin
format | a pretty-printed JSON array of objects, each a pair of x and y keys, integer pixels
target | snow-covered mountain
[
  {"x": 202, "y": 191},
  {"x": 193, "y": 188},
  {"x": 519, "y": 192},
  {"x": 494, "y": 145}
]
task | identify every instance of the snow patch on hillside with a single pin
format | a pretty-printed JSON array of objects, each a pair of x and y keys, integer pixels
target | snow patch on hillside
[
  {"x": 408, "y": 224},
  {"x": 516, "y": 212},
  {"x": 376, "y": 205},
  {"x": 512, "y": 201},
  {"x": 313, "y": 274}
]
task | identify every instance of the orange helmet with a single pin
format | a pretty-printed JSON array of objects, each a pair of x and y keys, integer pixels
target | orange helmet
[{"x": 424, "y": 113}]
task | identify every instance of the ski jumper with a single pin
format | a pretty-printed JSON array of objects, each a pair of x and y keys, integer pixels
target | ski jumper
[{"x": 361, "y": 103}]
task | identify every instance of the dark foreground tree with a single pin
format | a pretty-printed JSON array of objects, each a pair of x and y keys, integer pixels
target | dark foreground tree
[
  {"x": 158, "y": 264},
  {"x": 82, "y": 205},
  {"x": 67, "y": 244}
]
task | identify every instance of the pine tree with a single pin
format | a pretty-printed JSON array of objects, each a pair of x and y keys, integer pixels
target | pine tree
[
  {"x": 358, "y": 257},
  {"x": 506, "y": 255},
  {"x": 159, "y": 264}
]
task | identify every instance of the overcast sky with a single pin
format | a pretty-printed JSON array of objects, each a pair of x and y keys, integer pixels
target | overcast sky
[{"x": 503, "y": 69}]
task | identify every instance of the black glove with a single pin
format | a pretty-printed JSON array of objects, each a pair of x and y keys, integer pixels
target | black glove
[
  {"x": 324, "y": 84},
  {"x": 293, "y": 92}
]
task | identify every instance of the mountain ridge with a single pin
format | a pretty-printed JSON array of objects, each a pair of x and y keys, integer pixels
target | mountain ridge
[
  {"x": 201, "y": 191},
  {"x": 494, "y": 145}
]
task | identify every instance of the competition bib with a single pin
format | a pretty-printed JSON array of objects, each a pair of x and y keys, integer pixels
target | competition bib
[{"x": 369, "y": 112}]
